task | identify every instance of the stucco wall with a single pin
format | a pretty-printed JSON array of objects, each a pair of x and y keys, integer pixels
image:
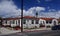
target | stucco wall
[{"x": 29, "y": 24}]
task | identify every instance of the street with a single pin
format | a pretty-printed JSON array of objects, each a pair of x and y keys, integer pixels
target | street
[{"x": 37, "y": 33}]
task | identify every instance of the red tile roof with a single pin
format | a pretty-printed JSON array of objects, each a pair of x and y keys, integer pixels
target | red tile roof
[
  {"x": 47, "y": 18},
  {"x": 28, "y": 17},
  {"x": 11, "y": 18}
]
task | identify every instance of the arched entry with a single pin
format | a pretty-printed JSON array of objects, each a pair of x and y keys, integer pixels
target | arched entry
[
  {"x": 55, "y": 22},
  {"x": 42, "y": 23}
]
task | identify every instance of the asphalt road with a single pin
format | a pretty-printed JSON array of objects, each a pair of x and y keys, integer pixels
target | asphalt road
[{"x": 37, "y": 33}]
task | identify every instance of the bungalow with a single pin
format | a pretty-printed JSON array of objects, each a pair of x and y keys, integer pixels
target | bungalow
[{"x": 30, "y": 22}]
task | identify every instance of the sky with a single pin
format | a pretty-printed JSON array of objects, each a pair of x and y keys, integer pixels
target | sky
[{"x": 44, "y": 8}]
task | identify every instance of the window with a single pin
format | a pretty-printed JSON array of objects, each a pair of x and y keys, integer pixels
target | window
[
  {"x": 24, "y": 21},
  {"x": 49, "y": 21},
  {"x": 37, "y": 22},
  {"x": 10, "y": 22},
  {"x": 27, "y": 20},
  {"x": 18, "y": 21},
  {"x": 43, "y": 22},
  {"x": 13, "y": 21},
  {"x": 32, "y": 21},
  {"x": 6, "y": 21},
  {"x": 46, "y": 21}
]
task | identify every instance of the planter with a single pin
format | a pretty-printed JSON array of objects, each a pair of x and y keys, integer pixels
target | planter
[
  {"x": 48, "y": 26},
  {"x": 7, "y": 26},
  {"x": 42, "y": 25},
  {"x": 16, "y": 28}
]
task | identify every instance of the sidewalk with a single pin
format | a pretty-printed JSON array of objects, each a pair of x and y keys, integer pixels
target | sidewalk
[{"x": 5, "y": 31}]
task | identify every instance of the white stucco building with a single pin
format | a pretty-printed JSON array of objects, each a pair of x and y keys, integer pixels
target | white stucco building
[{"x": 30, "y": 22}]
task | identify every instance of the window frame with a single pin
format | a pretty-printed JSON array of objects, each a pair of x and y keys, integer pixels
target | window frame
[
  {"x": 49, "y": 21},
  {"x": 32, "y": 21}
]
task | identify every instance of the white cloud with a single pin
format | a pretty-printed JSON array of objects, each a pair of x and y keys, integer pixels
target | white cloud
[
  {"x": 9, "y": 9},
  {"x": 40, "y": 8},
  {"x": 50, "y": 10},
  {"x": 33, "y": 10},
  {"x": 50, "y": 14}
]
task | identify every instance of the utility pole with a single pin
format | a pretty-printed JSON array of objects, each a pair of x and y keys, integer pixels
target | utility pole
[{"x": 21, "y": 15}]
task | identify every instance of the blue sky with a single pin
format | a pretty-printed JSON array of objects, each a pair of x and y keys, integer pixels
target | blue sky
[
  {"x": 45, "y": 8},
  {"x": 53, "y": 4}
]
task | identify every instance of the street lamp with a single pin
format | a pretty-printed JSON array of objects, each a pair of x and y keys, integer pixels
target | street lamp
[{"x": 21, "y": 15}]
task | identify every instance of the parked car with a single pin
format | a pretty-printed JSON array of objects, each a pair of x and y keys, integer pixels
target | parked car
[{"x": 56, "y": 27}]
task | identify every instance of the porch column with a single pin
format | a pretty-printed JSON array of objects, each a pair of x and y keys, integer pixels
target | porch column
[{"x": 45, "y": 24}]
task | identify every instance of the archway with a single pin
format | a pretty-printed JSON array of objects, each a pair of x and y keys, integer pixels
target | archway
[
  {"x": 54, "y": 22},
  {"x": 42, "y": 23}
]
